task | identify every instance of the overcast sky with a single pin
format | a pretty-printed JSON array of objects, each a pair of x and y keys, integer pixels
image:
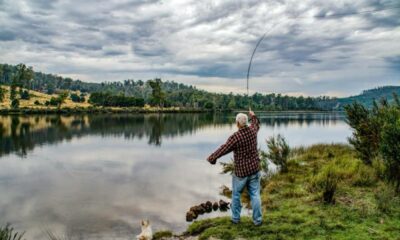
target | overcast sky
[{"x": 209, "y": 43}]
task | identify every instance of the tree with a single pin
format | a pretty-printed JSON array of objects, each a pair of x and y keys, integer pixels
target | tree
[
  {"x": 61, "y": 98},
  {"x": 23, "y": 77},
  {"x": 158, "y": 96},
  {"x": 2, "y": 94},
  {"x": 15, "y": 103},
  {"x": 20, "y": 79}
]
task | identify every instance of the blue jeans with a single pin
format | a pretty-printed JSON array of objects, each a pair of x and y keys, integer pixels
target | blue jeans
[{"x": 253, "y": 186}]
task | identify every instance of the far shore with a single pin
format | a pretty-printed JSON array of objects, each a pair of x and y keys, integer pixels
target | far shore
[{"x": 144, "y": 110}]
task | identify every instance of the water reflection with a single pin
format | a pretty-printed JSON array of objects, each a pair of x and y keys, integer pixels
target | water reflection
[
  {"x": 21, "y": 134},
  {"x": 97, "y": 176}
]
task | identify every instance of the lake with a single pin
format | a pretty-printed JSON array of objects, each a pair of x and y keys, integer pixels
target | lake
[{"x": 96, "y": 176}]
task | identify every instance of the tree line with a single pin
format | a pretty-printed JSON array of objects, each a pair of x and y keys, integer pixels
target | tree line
[{"x": 156, "y": 92}]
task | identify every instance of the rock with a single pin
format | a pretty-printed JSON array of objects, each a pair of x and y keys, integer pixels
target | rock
[
  {"x": 203, "y": 205},
  {"x": 223, "y": 206},
  {"x": 190, "y": 216},
  {"x": 208, "y": 207},
  {"x": 215, "y": 206},
  {"x": 198, "y": 210}
]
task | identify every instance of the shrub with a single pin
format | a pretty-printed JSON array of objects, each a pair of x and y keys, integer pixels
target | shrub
[
  {"x": 15, "y": 103},
  {"x": 379, "y": 166},
  {"x": 37, "y": 102},
  {"x": 2, "y": 94},
  {"x": 162, "y": 235},
  {"x": 390, "y": 146},
  {"x": 54, "y": 101},
  {"x": 76, "y": 98},
  {"x": 24, "y": 95},
  {"x": 228, "y": 167},
  {"x": 278, "y": 152},
  {"x": 8, "y": 233},
  {"x": 364, "y": 176},
  {"x": 376, "y": 132},
  {"x": 366, "y": 134},
  {"x": 327, "y": 182}
]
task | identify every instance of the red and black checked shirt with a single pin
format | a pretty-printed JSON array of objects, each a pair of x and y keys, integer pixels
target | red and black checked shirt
[{"x": 243, "y": 143}]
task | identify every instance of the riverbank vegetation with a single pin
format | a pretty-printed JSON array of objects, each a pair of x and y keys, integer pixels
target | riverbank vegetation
[{"x": 361, "y": 205}]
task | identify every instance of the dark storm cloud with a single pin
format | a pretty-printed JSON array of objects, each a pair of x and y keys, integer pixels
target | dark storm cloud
[
  {"x": 394, "y": 62},
  {"x": 206, "y": 41},
  {"x": 6, "y": 35}
]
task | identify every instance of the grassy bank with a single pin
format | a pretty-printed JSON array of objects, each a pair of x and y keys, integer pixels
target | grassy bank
[
  {"x": 364, "y": 207},
  {"x": 36, "y": 105}
]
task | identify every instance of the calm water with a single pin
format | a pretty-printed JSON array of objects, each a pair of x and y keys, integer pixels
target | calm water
[{"x": 97, "y": 176}]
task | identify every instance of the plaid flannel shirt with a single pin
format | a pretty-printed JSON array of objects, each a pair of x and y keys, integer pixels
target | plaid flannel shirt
[{"x": 243, "y": 143}]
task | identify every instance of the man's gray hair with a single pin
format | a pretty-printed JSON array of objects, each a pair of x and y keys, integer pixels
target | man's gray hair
[{"x": 241, "y": 119}]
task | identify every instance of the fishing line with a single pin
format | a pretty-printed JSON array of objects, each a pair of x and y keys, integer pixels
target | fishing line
[{"x": 326, "y": 17}]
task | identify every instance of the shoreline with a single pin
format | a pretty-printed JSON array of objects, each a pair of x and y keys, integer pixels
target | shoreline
[
  {"x": 136, "y": 110},
  {"x": 96, "y": 110}
]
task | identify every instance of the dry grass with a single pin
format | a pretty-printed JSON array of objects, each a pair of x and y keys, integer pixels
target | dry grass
[{"x": 42, "y": 98}]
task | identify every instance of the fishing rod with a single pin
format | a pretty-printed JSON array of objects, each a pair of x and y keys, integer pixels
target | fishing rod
[{"x": 304, "y": 17}]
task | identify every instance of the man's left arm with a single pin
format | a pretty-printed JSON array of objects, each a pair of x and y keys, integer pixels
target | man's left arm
[
  {"x": 255, "y": 123},
  {"x": 223, "y": 150}
]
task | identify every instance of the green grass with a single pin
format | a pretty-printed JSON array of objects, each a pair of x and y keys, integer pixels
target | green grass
[
  {"x": 293, "y": 209},
  {"x": 8, "y": 233}
]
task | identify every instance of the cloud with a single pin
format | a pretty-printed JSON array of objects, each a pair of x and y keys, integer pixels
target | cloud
[{"x": 320, "y": 44}]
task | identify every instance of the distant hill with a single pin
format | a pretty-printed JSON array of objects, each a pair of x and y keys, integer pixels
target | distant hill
[{"x": 368, "y": 96}]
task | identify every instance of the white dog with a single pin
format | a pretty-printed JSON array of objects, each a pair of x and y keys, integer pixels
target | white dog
[{"x": 147, "y": 233}]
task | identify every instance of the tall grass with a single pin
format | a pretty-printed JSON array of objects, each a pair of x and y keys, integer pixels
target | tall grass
[{"x": 8, "y": 233}]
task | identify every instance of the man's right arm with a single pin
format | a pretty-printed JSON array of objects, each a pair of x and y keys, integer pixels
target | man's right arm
[{"x": 222, "y": 150}]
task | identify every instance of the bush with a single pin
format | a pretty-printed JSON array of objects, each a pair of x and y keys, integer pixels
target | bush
[
  {"x": 54, "y": 101},
  {"x": 366, "y": 132},
  {"x": 377, "y": 132},
  {"x": 8, "y": 233},
  {"x": 25, "y": 95},
  {"x": 390, "y": 146},
  {"x": 76, "y": 98},
  {"x": 37, "y": 102},
  {"x": 278, "y": 152},
  {"x": 162, "y": 235},
  {"x": 327, "y": 182},
  {"x": 379, "y": 166},
  {"x": 15, "y": 103},
  {"x": 2, "y": 94}
]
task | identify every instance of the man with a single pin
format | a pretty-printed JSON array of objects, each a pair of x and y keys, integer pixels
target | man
[{"x": 243, "y": 143}]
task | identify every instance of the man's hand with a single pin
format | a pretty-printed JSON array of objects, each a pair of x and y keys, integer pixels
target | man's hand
[
  {"x": 212, "y": 161},
  {"x": 251, "y": 113}
]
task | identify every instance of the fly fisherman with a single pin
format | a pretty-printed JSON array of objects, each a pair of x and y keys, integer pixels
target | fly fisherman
[{"x": 243, "y": 143}]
